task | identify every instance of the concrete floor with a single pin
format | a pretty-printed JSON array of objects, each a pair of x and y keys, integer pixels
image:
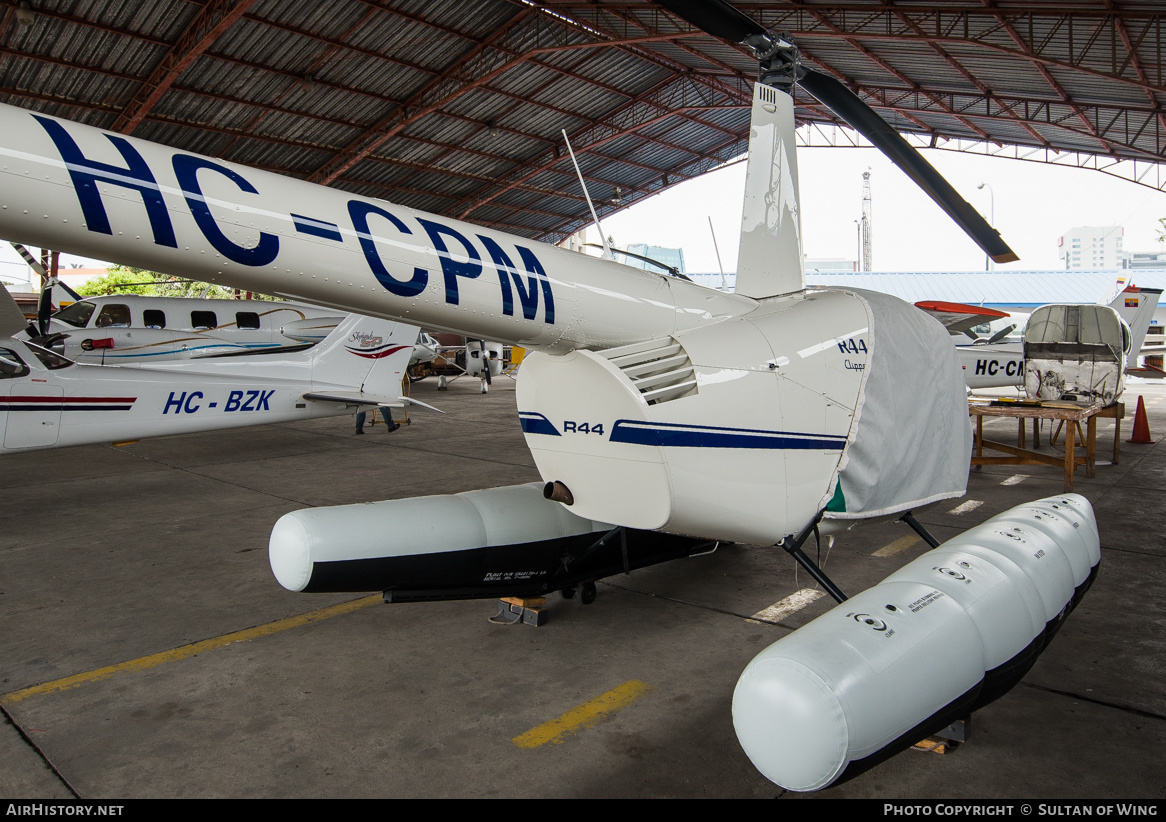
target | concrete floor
[{"x": 115, "y": 562}]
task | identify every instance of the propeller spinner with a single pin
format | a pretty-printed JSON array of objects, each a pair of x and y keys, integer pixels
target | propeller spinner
[{"x": 782, "y": 68}]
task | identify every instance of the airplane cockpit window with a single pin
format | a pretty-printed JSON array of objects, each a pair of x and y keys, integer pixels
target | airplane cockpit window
[
  {"x": 49, "y": 359},
  {"x": 77, "y": 314},
  {"x": 247, "y": 319},
  {"x": 114, "y": 315},
  {"x": 11, "y": 365},
  {"x": 203, "y": 320},
  {"x": 154, "y": 318}
]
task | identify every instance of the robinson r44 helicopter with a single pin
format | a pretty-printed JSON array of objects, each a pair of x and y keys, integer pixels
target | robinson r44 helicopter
[{"x": 663, "y": 416}]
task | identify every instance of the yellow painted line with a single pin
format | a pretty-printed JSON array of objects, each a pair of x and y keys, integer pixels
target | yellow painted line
[
  {"x": 193, "y": 649},
  {"x": 585, "y": 715},
  {"x": 897, "y": 547}
]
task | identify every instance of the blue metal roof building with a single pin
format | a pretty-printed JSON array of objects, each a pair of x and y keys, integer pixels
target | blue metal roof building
[{"x": 1003, "y": 290}]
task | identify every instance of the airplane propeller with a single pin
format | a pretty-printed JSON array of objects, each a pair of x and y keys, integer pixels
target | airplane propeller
[
  {"x": 44, "y": 308},
  {"x": 38, "y": 332},
  {"x": 1002, "y": 333},
  {"x": 781, "y": 67}
]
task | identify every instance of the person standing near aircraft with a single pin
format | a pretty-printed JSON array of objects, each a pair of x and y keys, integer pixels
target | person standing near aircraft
[{"x": 386, "y": 413}]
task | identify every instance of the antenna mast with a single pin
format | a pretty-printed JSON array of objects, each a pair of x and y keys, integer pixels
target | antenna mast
[
  {"x": 607, "y": 255},
  {"x": 867, "y": 221}
]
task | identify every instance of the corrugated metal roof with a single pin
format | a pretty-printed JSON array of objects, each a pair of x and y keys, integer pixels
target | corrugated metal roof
[{"x": 457, "y": 106}]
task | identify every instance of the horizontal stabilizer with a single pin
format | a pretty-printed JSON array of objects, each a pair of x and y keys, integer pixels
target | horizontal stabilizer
[
  {"x": 278, "y": 350},
  {"x": 360, "y": 398}
]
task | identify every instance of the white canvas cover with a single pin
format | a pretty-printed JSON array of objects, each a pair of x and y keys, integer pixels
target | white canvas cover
[
  {"x": 911, "y": 440},
  {"x": 1075, "y": 352}
]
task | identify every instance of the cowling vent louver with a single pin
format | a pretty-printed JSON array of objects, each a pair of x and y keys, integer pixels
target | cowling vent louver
[{"x": 660, "y": 369}]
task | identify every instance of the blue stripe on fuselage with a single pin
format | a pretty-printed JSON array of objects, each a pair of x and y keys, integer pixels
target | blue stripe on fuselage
[
  {"x": 533, "y": 423},
  {"x": 677, "y": 435}
]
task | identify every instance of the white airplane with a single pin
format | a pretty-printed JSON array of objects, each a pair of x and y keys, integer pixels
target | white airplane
[
  {"x": 48, "y": 401},
  {"x": 993, "y": 357},
  {"x": 131, "y": 328},
  {"x": 662, "y": 416},
  {"x": 476, "y": 358}
]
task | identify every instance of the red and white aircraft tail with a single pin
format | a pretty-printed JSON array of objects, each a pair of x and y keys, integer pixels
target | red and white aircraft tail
[{"x": 1136, "y": 306}]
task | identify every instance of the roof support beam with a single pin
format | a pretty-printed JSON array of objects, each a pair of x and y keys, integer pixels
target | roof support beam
[{"x": 215, "y": 18}]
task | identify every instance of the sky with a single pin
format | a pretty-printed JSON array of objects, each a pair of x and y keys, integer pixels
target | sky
[
  {"x": 1031, "y": 204},
  {"x": 1034, "y": 204}
]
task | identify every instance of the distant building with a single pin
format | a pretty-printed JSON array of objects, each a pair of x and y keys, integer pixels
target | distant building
[
  {"x": 668, "y": 256},
  {"x": 1145, "y": 259},
  {"x": 1091, "y": 248},
  {"x": 576, "y": 241}
]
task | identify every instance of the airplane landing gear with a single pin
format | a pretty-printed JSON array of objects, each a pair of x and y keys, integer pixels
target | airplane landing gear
[{"x": 587, "y": 596}]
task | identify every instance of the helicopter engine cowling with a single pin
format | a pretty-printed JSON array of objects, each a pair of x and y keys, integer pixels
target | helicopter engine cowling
[{"x": 743, "y": 429}]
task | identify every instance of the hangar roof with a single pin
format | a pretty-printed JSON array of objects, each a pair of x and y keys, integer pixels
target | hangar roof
[{"x": 457, "y": 107}]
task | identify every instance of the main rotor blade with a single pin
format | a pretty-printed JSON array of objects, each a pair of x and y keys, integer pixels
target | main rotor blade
[
  {"x": 716, "y": 17},
  {"x": 863, "y": 119}
]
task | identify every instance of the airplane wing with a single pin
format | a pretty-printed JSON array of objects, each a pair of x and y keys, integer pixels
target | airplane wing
[
  {"x": 958, "y": 317},
  {"x": 359, "y": 398}
]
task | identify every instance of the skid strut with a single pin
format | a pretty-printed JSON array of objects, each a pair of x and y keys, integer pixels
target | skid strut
[{"x": 793, "y": 547}]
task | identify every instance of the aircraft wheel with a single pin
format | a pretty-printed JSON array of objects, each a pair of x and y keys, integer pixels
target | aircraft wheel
[
  {"x": 587, "y": 596},
  {"x": 568, "y": 593}
]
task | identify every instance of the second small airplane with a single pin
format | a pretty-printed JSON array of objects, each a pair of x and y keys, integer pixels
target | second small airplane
[{"x": 49, "y": 401}]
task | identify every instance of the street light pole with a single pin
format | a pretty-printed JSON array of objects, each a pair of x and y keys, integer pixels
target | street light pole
[{"x": 991, "y": 219}]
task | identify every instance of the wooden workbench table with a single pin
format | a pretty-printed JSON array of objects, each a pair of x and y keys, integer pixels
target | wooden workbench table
[{"x": 1071, "y": 415}]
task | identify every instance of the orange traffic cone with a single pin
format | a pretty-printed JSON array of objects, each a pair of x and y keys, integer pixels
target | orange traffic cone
[{"x": 1141, "y": 424}]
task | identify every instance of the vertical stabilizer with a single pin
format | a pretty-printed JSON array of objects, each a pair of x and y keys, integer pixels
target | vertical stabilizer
[
  {"x": 770, "y": 258},
  {"x": 12, "y": 320},
  {"x": 366, "y": 354},
  {"x": 1136, "y": 306}
]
